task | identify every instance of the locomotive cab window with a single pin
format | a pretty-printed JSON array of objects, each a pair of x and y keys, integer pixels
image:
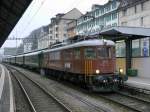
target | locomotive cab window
[
  {"x": 104, "y": 52},
  {"x": 89, "y": 53}
]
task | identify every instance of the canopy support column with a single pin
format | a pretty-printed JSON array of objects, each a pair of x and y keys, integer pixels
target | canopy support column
[{"x": 128, "y": 54}]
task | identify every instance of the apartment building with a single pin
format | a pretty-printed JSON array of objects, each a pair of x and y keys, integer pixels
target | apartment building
[
  {"x": 31, "y": 42},
  {"x": 135, "y": 13},
  {"x": 71, "y": 29},
  {"x": 100, "y": 17},
  {"x": 44, "y": 38},
  {"x": 59, "y": 25}
]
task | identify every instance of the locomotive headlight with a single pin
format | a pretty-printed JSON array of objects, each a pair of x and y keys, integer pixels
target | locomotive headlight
[
  {"x": 97, "y": 71},
  {"x": 121, "y": 70},
  {"x": 104, "y": 81},
  {"x": 115, "y": 80}
]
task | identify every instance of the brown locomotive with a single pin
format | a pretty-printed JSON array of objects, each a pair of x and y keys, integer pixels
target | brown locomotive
[{"x": 90, "y": 62}]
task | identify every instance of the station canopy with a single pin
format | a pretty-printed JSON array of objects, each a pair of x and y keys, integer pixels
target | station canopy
[
  {"x": 10, "y": 13},
  {"x": 122, "y": 32},
  {"x": 128, "y": 34}
]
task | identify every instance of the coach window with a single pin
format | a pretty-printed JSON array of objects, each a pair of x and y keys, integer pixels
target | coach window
[
  {"x": 89, "y": 53},
  {"x": 104, "y": 52},
  {"x": 77, "y": 53}
]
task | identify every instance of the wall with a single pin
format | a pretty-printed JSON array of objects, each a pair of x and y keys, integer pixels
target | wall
[
  {"x": 143, "y": 66},
  {"x": 121, "y": 63},
  {"x": 135, "y": 19}
]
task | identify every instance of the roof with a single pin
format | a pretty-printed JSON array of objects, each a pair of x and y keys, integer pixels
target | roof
[
  {"x": 117, "y": 33},
  {"x": 129, "y": 3},
  {"x": 33, "y": 53},
  {"x": 91, "y": 42},
  {"x": 10, "y": 13}
]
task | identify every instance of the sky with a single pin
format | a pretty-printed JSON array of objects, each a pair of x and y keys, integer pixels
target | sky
[{"x": 40, "y": 12}]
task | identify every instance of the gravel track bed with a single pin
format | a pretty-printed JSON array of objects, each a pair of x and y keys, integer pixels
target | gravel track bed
[
  {"x": 132, "y": 102},
  {"x": 136, "y": 94},
  {"x": 41, "y": 101},
  {"x": 67, "y": 97},
  {"x": 21, "y": 102}
]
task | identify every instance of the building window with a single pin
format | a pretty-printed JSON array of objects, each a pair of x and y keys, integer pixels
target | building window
[
  {"x": 56, "y": 28},
  {"x": 114, "y": 16},
  {"x": 108, "y": 8},
  {"x": 114, "y": 5},
  {"x": 135, "y": 9},
  {"x": 124, "y": 23},
  {"x": 141, "y": 21},
  {"x": 114, "y": 24},
  {"x": 120, "y": 49},
  {"x": 102, "y": 11},
  {"x": 136, "y": 48},
  {"x": 56, "y": 35},
  {"x": 124, "y": 12},
  {"x": 97, "y": 12},
  {"x": 96, "y": 22},
  {"x": 65, "y": 35},
  {"x": 142, "y": 6},
  {"x": 108, "y": 18}
]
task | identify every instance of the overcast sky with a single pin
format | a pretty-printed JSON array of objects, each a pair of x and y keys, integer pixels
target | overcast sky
[{"x": 39, "y": 13}]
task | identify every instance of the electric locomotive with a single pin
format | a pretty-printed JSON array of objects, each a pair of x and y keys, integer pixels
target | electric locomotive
[{"x": 90, "y": 62}]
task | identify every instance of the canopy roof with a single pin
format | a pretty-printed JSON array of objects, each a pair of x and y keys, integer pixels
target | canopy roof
[
  {"x": 121, "y": 32},
  {"x": 10, "y": 13}
]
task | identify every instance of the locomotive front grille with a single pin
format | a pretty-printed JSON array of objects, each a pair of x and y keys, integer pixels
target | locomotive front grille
[{"x": 88, "y": 67}]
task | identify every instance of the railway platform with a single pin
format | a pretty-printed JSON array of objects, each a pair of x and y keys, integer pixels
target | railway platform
[
  {"x": 6, "y": 91},
  {"x": 139, "y": 82}
]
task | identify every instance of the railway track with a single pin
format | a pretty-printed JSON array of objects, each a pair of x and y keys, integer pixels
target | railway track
[
  {"x": 94, "y": 106},
  {"x": 22, "y": 101},
  {"x": 135, "y": 94},
  {"x": 90, "y": 105},
  {"x": 134, "y": 90},
  {"x": 39, "y": 99},
  {"x": 129, "y": 101}
]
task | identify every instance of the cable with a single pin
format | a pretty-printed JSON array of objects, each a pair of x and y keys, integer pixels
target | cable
[{"x": 18, "y": 26}]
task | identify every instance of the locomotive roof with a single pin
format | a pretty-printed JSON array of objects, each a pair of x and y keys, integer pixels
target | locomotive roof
[
  {"x": 91, "y": 42},
  {"x": 19, "y": 55},
  {"x": 33, "y": 53}
]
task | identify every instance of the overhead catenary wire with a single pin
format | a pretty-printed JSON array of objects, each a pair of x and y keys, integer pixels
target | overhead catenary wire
[
  {"x": 29, "y": 10},
  {"x": 30, "y": 21}
]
